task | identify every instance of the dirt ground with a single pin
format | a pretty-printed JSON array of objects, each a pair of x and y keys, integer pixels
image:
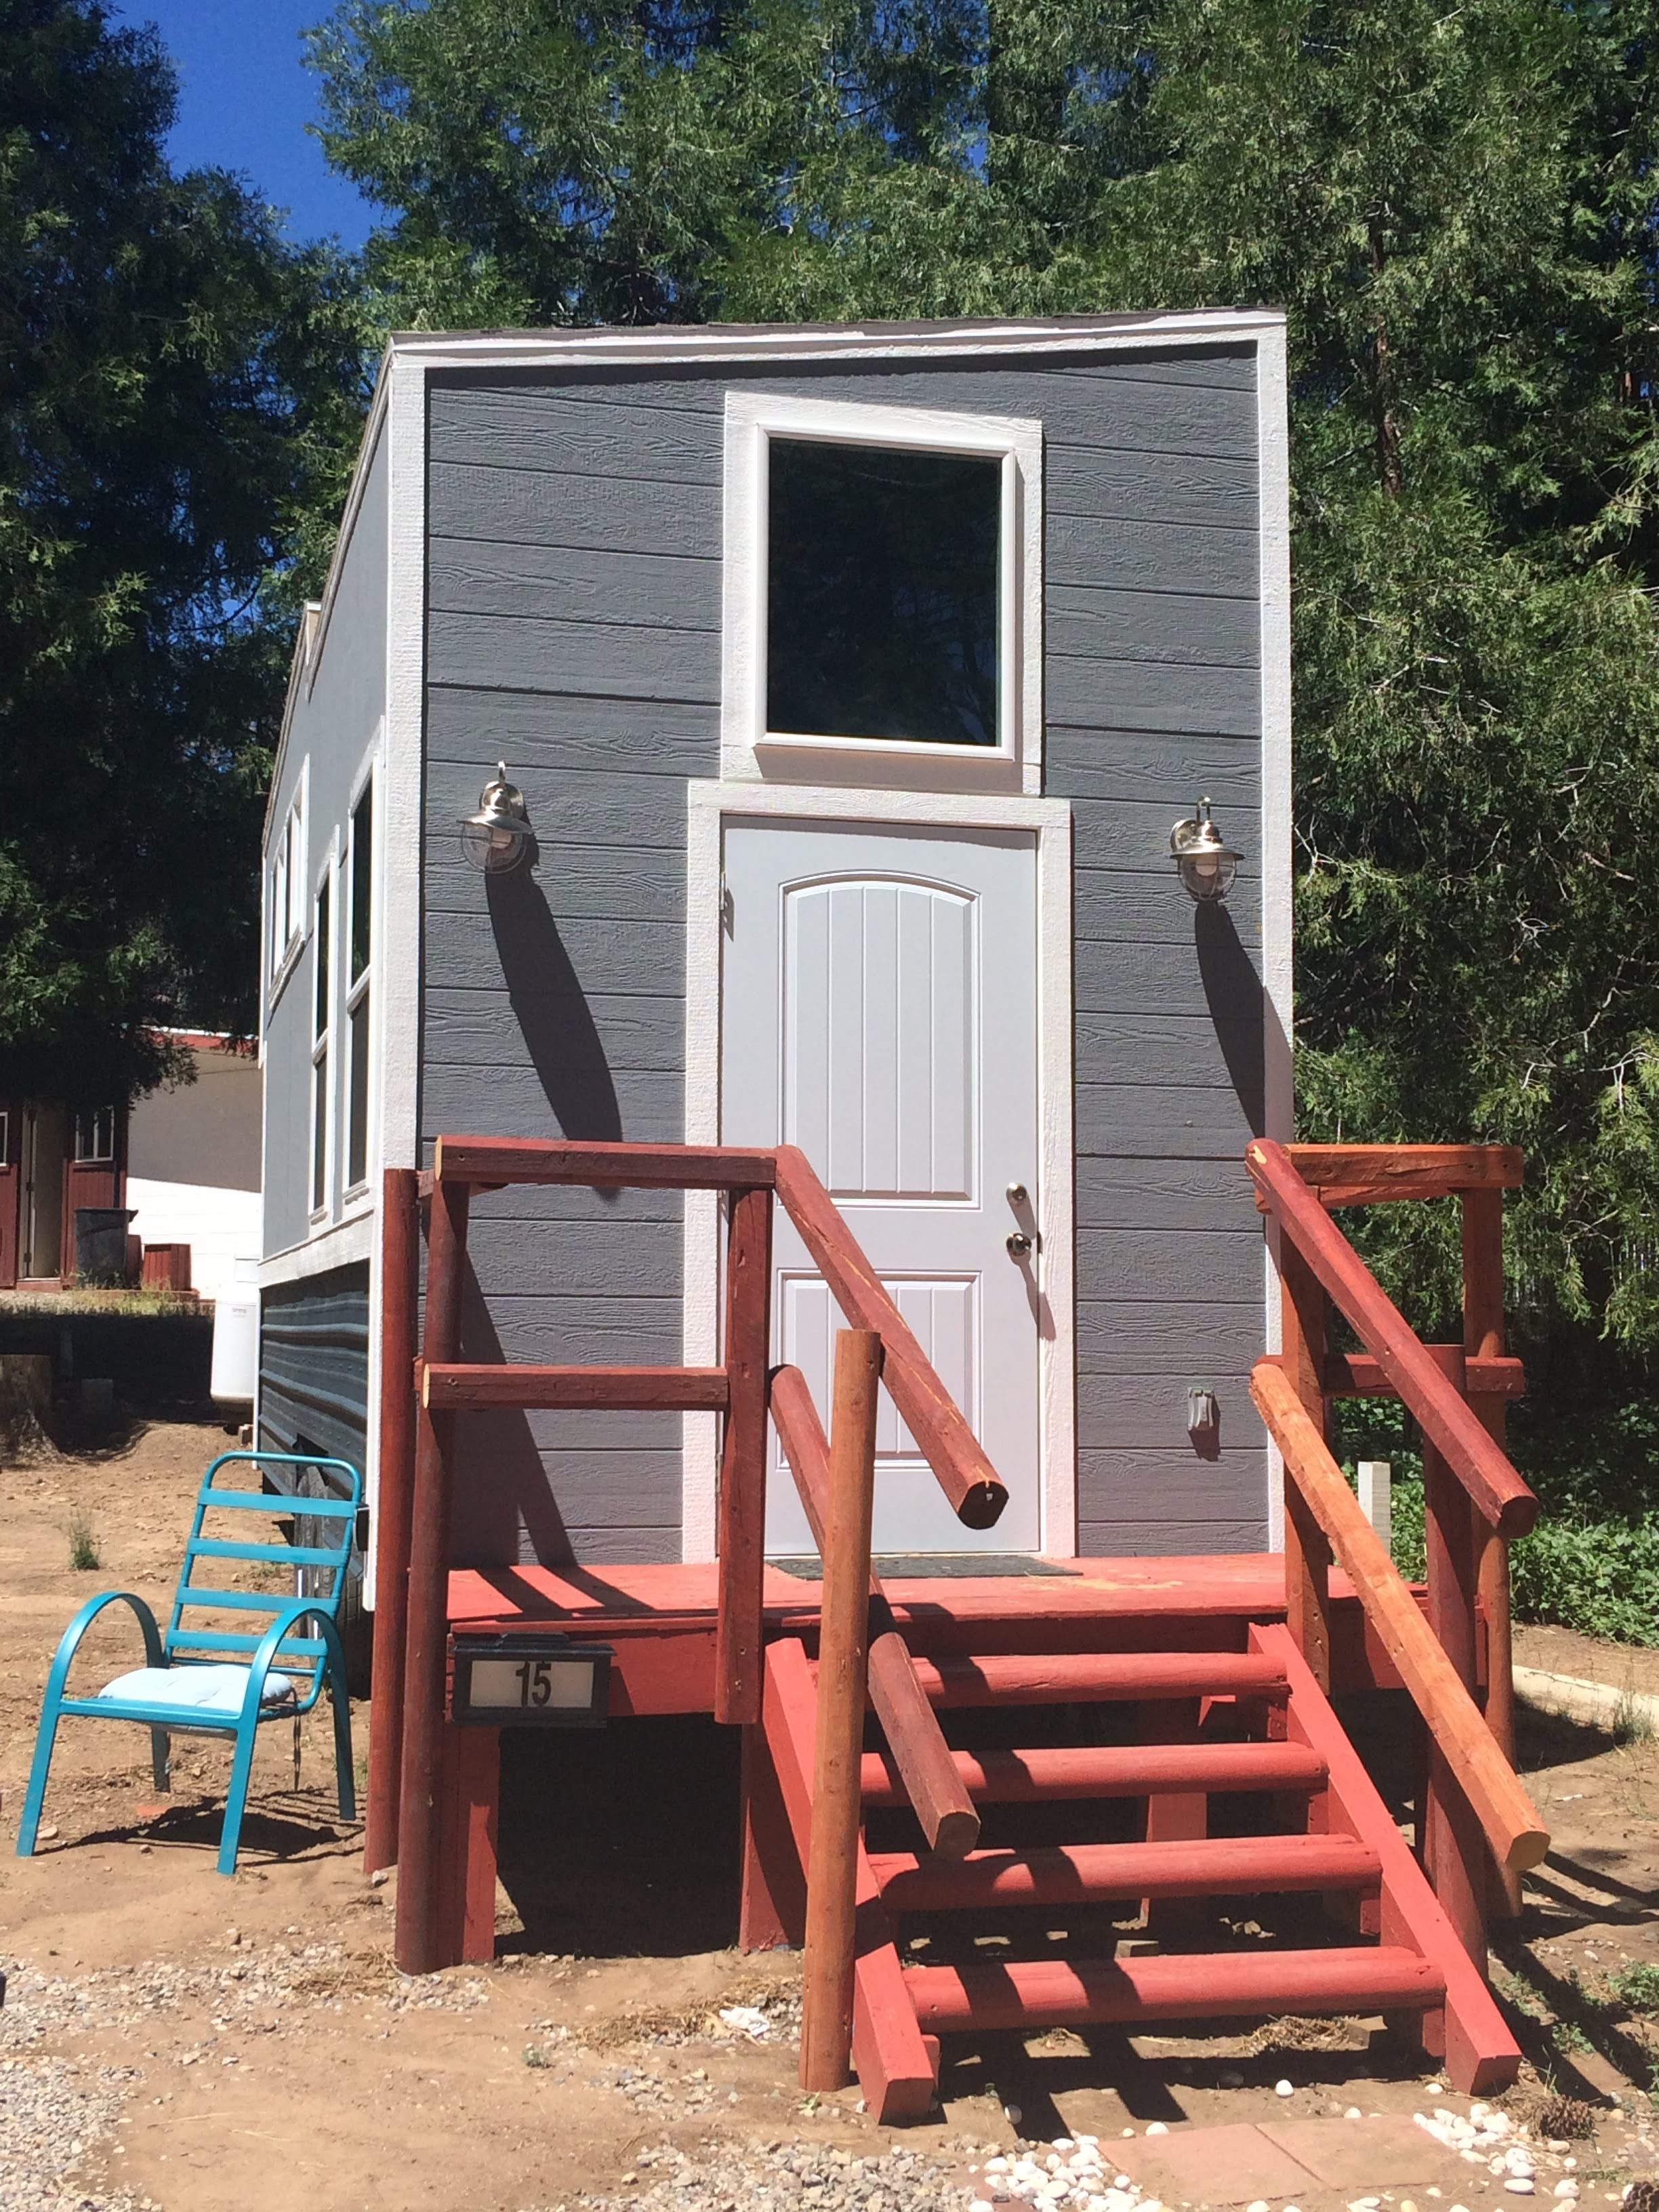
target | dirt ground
[{"x": 248, "y": 2042}]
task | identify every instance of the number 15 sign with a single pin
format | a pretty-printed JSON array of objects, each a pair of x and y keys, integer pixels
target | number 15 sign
[{"x": 514, "y": 1681}]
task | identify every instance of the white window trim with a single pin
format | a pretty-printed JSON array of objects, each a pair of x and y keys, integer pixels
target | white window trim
[
  {"x": 323, "y": 1042},
  {"x": 709, "y": 806},
  {"x": 93, "y": 1115},
  {"x": 750, "y": 752},
  {"x": 291, "y": 852},
  {"x": 357, "y": 1196}
]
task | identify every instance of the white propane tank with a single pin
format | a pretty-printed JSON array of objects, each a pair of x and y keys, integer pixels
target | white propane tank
[{"x": 236, "y": 1336}]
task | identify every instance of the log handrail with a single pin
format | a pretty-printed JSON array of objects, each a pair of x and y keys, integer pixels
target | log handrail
[
  {"x": 1508, "y": 1818},
  {"x": 950, "y": 1447},
  {"x": 925, "y": 1764},
  {"x": 1497, "y": 1492}
]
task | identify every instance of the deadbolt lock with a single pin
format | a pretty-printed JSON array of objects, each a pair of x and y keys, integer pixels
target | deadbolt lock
[{"x": 1017, "y": 1193}]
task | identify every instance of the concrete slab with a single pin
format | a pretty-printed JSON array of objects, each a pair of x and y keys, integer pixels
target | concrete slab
[
  {"x": 1364, "y": 2154},
  {"x": 1211, "y": 2166}
]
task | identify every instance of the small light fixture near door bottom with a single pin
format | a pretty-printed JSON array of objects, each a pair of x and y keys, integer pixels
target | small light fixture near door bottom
[
  {"x": 1205, "y": 863},
  {"x": 497, "y": 837}
]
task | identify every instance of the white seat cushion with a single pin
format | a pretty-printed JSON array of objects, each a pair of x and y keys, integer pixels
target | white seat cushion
[{"x": 196, "y": 1689}]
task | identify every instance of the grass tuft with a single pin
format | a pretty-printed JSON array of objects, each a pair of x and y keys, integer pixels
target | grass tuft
[{"x": 82, "y": 1545}]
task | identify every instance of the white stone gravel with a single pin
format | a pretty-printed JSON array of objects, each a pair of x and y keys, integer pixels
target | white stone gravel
[
  {"x": 53, "y": 2113},
  {"x": 812, "y": 2177}
]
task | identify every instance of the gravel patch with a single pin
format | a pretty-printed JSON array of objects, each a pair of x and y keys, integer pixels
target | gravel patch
[
  {"x": 724, "y": 2177},
  {"x": 254, "y": 1990},
  {"x": 52, "y": 2113}
]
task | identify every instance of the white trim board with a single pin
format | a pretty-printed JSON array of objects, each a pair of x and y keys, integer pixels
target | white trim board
[
  {"x": 751, "y": 753},
  {"x": 1277, "y": 999},
  {"x": 709, "y": 804},
  {"x": 342, "y": 1246}
]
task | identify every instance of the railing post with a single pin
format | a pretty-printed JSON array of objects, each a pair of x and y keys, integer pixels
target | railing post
[
  {"x": 1307, "y": 1548},
  {"x": 419, "y": 1817},
  {"x": 826, "y": 2034},
  {"x": 741, "y": 1535},
  {"x": 401, "y": 1275},
  {"x": 1484, "y": 1339},
  {"x": 1454, "y": 1850}
]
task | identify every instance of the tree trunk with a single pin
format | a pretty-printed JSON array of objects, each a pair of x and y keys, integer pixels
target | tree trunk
[
  {"x": 1389, "y": 468},
  {"x": 25, "y": 1407}
]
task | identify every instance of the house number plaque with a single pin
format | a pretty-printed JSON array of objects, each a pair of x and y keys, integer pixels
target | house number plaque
[{"x": 514, "y": 1681}]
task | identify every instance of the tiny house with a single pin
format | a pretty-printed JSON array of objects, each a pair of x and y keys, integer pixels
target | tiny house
[
  {"x": 779, "y": 827},
  {"x": 853, "y": 678}
]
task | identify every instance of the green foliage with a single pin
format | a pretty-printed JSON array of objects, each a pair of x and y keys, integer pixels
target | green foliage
[
  {"x": 82, "y": 1545},
  {"x": 1600, "y": 1576},
  {"x": 1455, "y": 208},
  {"x": 173, "y": 383},
  {"x": 1636, "y": 1986}
]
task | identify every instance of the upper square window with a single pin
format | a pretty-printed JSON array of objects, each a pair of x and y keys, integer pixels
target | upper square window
[
  {"x": 882, "y": 617},
  {"x": 883, "y": 595}
]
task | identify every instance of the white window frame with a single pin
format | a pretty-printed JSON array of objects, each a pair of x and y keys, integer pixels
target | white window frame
[
  {"x": 286, "y": 885},
  {"x": 92, "y": 1118},
  {"x": 750, "y": 752},
  {"x": 355, "y": 989},
  {"x": 324, "y": 1061}
]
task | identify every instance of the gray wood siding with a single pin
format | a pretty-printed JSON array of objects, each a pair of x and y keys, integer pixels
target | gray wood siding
[
  {"x": 313, "y": 1365},
  {"x": 333, "y": 725},
  {"x": 573, "y": 627}
]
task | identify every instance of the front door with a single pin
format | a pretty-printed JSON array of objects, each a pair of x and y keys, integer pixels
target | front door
[{"x": 878, "y": 1010}]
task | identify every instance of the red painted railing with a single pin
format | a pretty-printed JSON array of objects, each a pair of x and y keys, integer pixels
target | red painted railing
[
  {"x": 1474, "y": 1500},
  {"x": 415, "y": 1514}
]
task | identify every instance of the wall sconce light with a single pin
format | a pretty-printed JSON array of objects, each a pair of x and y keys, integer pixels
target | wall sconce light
[
  {"x": 497, "y": 837},
  {"x": 1207, "y": 864}
]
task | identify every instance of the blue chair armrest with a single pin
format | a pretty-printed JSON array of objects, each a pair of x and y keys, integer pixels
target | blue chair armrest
[
  {"x": 265, "y": 1657},
  {"x": 70, "y": 1643}
]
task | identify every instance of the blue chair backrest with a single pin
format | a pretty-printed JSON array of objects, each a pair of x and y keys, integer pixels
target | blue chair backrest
[{"x": 333, "y": 1517}]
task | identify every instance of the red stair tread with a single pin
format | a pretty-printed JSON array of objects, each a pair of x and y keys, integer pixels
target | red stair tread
[
  {"x": 1052, "y": 1993},
  {"x": 1216, "y": 1866},
  {"x": 1068, "y": 1677},
  {"x": 1112, "y": 1771}
]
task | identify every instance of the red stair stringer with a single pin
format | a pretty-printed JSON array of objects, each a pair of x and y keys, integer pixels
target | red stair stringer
[
  {"x": 898, "y": 2065},
  {"x": 1480, "y": 2055}
]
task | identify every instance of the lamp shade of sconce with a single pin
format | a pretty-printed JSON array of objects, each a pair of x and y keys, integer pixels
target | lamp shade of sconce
[
  {"x": 1205, "y": 862},
  {"x": 1203, "y": 1414},
  {"x": 497, "y": 837}
]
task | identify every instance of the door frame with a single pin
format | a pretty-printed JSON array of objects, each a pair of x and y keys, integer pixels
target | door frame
[{"x": 709, "y": 805}]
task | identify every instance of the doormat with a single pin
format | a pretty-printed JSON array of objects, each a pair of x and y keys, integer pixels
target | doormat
[{"x": 932, "y": 1566}]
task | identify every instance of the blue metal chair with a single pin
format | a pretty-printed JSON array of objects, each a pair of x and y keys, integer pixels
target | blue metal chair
[{"x": 187, "y": 1686}]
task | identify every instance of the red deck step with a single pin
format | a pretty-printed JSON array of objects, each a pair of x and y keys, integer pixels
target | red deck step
[
  {"x": 1008, "y": 1777},
  {"x": 1213, "y": 1866},
  {"x": 1049, "y": 1993},
  {"x": 1095, "y": 1677}
]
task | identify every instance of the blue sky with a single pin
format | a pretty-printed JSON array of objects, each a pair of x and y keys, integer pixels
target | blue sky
[{"x": 244, "y": 100}]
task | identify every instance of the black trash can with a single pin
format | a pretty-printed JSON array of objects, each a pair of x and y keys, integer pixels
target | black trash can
[{"x": 101, "y": 1243}]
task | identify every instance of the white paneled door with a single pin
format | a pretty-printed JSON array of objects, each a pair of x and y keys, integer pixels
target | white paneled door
[{"x": 878, "y": 1010}]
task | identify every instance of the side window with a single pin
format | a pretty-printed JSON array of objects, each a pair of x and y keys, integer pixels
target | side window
[
  {"x": 321, "y": 1007},
  {"x": 288, "y": 884},
  {"x": 359, "y": 979},
  {"x": 95, "y": 1136}
]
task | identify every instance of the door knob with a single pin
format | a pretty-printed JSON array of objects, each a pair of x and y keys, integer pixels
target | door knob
[{"x": 1019, "y": 1244}]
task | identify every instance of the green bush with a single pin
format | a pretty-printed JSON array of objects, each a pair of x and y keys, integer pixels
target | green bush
[{"x": 1601, "y": 1577}]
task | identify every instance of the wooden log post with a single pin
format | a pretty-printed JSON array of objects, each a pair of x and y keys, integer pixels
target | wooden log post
[
  {"x": 741, "y": 1537},
  {"x": 1484, "y": 1340},
  {"x": 420, "y": 1928},
  {"x": 826, "y": 2035},
  {"x": 938, "y": 1795},
  {"x": 1307, "y": 1548},
  {"x": 400, "y": 1271},
  {"x": 1454, "y": 1850}
]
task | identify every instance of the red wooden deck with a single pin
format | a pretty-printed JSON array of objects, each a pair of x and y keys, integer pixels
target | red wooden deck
[{"x": 661, "y": 1620}]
